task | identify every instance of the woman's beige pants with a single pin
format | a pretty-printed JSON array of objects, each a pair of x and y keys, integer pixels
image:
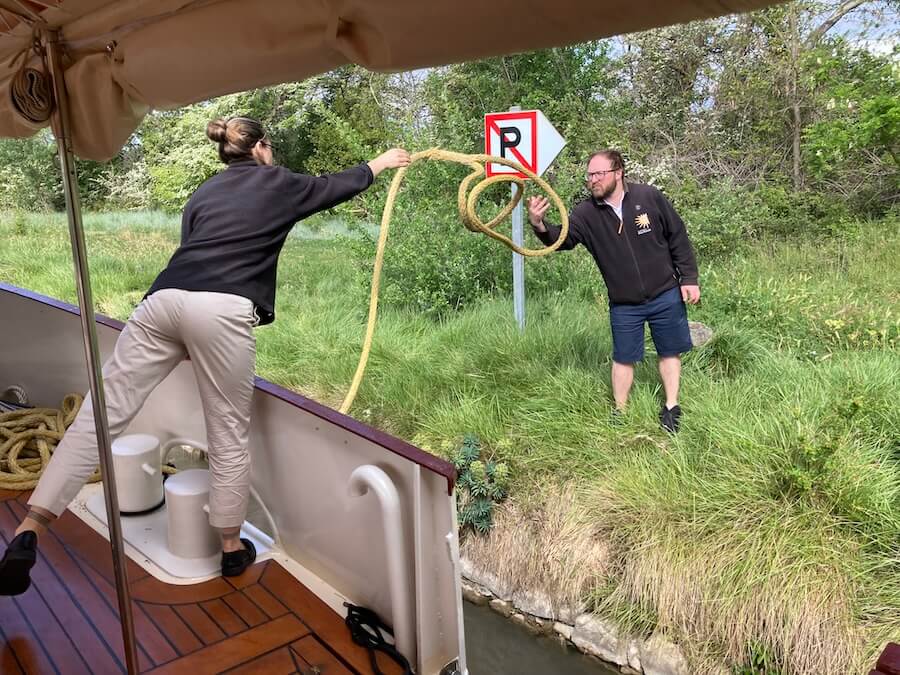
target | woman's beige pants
[{"x": 216, "y": 331}]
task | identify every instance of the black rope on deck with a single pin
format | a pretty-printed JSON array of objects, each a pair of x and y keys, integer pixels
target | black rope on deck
[{"x": 365, "y": 629}]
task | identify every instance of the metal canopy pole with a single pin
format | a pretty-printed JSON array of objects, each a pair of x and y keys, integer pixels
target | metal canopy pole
[{"x": 91, "y": 348}]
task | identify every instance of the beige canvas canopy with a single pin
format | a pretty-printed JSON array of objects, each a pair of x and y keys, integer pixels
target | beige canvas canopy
[{"x": 125, "y": 57}]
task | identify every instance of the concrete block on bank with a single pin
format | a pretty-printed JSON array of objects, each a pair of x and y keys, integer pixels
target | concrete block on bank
[
  {"x": 564, "y": 630},
  {"x": 601, "y": 638},
  {"x": 659, "y": 656}
]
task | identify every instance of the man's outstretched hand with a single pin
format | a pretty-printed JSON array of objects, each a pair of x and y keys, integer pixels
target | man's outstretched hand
[{"x": 537, "y": 207}]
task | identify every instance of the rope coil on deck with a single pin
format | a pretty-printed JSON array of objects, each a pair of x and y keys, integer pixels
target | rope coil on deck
[
  {"x": 466, "y": 203},
  {"x": 28, "y": 438}
]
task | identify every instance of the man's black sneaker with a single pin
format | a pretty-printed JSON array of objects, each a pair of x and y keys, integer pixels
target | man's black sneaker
[
  {"x": 669, "y": 418},
  {"x": 234, "y": 563},
  {"x": 15, "y": 567}
]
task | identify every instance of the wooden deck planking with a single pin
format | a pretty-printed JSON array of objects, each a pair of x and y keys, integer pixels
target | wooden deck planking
[
  {"x": 318, "y": 658},
  {"x": 9, "y": 665},
  {"x": 68, "y": 613},
  {"x": 241, "y": 649},
  {"x": 280, "y": 662},
  {"x": 179, "y": 634},
  {"x": 150, "y": 589},
  {"x": 103, "y": 619},
  {"x": 264, "y": 621},
  {"x": 203, "y": 626},
  {"x": 322, "y": 620},
  {"x": 225, "y": 618},
  {"x": 245, "y": 608},
  {"x": 265, "y": 601},
  {"x": 152, "y": 641},
  {"x": 19, "y": 637}
]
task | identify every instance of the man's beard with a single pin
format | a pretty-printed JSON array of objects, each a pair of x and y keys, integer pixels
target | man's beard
[{"x": 605, "y": 193}]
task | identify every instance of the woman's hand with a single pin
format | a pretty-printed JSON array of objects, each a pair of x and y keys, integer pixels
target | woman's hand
[{"x": 394, "y": 158}]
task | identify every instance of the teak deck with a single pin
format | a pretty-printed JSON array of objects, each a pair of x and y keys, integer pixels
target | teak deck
[{"x": 264, "y": 621}]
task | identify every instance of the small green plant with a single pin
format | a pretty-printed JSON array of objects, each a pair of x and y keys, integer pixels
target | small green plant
[
  {"x": 812, "y": 463},
  {"x": 481, "y": 486},
  {"x": 760, "y": 661}
]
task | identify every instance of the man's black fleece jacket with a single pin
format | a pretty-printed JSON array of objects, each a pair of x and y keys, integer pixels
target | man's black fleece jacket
[
  {"x": 235, "y": 224},
  {"x": 650, "y": 252}
]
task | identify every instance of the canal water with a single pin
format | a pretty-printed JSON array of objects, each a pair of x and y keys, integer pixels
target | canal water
[{"x": 497, "y": 646}]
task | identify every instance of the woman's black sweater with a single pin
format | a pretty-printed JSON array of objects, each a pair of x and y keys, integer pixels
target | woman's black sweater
[{"x": 235, "y": 224}]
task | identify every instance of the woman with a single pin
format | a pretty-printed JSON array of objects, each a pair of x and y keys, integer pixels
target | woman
[{"x": 217, "y": 287}]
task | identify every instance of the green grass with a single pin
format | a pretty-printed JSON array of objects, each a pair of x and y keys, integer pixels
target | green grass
[{"x": 769, "y": 525}]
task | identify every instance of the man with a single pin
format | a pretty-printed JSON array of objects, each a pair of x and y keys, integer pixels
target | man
[{"x": 643, "y": 252}]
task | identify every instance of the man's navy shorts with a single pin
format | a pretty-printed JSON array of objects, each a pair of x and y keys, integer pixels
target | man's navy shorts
[{"x": 667, "y": 317}]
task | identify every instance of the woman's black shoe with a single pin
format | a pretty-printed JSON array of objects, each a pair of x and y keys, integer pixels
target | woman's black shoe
[
  {"x": 235, "y": 562},
  {"x": 15, "y": 567}
]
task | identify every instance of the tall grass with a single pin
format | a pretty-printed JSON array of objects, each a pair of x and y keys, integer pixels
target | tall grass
[{"x": 770, "y": 523}]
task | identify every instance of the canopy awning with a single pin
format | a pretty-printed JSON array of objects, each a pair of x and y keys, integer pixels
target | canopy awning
[{"x": 126, "y": 57}]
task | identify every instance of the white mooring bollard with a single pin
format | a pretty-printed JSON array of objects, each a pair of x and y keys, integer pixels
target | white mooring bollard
[
  {"x": 139, "y": 482},
  {"x": 187, "y": 502}
]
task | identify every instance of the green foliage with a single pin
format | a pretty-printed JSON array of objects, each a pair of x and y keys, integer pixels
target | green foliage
[
  {"x": 480, "y": 485},
  {"x": 720, "y": 219},
  {"x": 759, "y": 662},
  {"x": 433, "y": 265},
  {"x": 723, "y": 218},
  {"x": 29, "y": 178},
  {"x": 856, "y": 132},
  {"x": 179, "y": 154},
  {"x": 128, "y": 187},
  {"x": 810, "y": 464}
]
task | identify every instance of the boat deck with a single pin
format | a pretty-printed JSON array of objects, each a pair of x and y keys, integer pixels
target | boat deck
[{"x": 264, "y": 621}]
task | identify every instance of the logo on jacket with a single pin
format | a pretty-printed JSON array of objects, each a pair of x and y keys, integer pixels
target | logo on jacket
[{"x": 643, "y": 223}]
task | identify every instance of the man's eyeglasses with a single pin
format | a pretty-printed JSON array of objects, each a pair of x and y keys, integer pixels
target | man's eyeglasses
[
  {"x": 266, "y": 143},
  {"x": 591, "y": 175}
]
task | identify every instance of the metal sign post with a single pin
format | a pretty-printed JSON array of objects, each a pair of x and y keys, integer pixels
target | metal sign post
[{"x": 518, "y": 260}]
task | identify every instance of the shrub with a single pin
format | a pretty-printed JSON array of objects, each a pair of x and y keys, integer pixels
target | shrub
[
  {"x": 480, "y": 486},
  {"x": 720, "y": 218}
]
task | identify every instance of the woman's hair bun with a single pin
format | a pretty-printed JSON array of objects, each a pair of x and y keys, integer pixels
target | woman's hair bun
[
  {"x": 217, "y": 130},
  {"x": 236, "y": 137}
]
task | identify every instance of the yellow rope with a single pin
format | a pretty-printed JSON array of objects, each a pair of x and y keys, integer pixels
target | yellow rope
[
  {"x": 28, "y": 438},
  {"x": 466, "y": 205}
]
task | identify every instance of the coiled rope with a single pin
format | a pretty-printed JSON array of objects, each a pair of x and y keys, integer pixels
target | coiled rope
[
  {"x": 31, "y": 90},
  {"x": 466, "y": 203},
  {"x": 28, "y": 438},
  {"x": 367, "y": 630}
]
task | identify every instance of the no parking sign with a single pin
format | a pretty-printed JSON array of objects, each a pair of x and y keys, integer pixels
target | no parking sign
[
  {"x": 523, "y": 136},
  {"x": 527, "y": 138}
]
